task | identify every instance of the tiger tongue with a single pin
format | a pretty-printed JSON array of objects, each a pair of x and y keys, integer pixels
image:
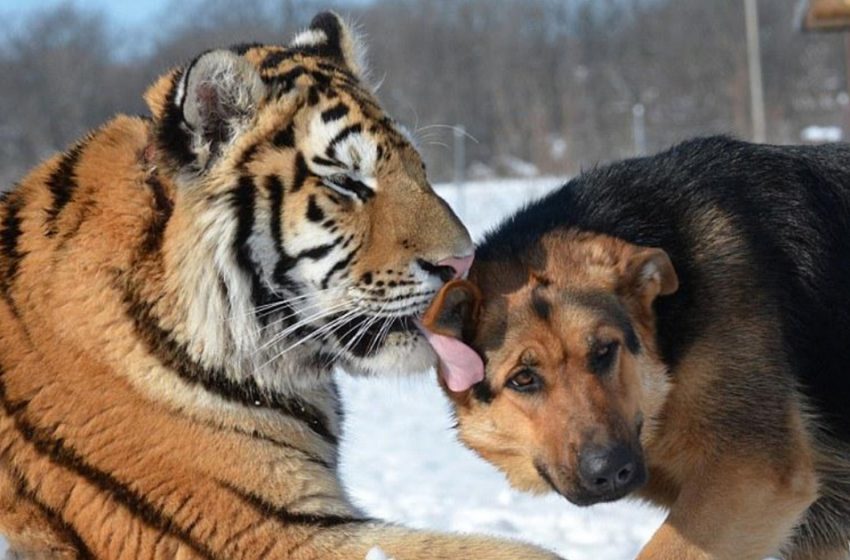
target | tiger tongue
[{"x": 460, "y": 365}]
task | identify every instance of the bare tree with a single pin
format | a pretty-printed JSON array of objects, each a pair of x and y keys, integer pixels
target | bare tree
[{"x": 547, "y": 82}]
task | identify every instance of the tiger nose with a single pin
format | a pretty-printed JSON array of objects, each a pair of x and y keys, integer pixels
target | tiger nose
[
  {"x": 448, "y": 269},
  {"x": 460, "y": 265}
]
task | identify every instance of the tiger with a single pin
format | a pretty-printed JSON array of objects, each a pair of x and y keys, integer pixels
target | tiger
[{"x": 177, "y": 290}]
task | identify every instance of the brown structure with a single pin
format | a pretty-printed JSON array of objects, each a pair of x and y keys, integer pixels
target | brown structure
[{"x": 827, "y": 15}]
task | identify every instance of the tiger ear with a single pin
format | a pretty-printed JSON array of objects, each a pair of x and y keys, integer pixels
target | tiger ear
[
  {"x": 217, "y": 97},
  {"x": 330, "y": 36}
]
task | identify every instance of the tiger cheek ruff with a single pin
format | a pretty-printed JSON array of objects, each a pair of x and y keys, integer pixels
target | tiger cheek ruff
[{"x": 176, "y": 292}]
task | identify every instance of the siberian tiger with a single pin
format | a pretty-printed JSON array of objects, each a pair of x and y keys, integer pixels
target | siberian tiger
[{"x": 175, "y": 293}]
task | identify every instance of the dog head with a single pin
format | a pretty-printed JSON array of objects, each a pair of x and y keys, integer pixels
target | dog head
[{"x": 570, "y": 379}]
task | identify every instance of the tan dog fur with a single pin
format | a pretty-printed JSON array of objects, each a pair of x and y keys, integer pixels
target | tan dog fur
[{"x": 728, "y": 498}]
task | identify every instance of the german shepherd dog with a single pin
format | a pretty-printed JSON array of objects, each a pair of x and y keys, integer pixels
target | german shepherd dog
[{"x": 675, "y": 328}]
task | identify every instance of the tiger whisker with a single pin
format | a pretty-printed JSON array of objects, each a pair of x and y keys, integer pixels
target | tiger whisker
[
  {"x": 328, "y": 329},
  {"x": 294, "y": 313},
  {"x": 426, "y": 295},
  {"x": 382, "y": 333},
  {"x": 363, "y": 331},
  {"x": 337, "y": 322},
  {"x": 387, "y": 321},
  {"x": 303, "y": 322},
  {"x": 344, "y": 348},
  {"x": 453, "y": 128},
  {"x": 288, "y": 301}
]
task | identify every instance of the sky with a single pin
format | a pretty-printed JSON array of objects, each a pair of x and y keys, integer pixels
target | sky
[
  {"x": 122, "y": 13},
  {"x": 126, "y": 19}
]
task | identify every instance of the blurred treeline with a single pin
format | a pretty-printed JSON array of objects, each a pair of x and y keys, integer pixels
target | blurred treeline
[{"x": 540, "y": 85}]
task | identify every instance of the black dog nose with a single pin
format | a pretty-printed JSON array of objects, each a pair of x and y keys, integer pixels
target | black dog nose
[{"x": 609, "y": 470}]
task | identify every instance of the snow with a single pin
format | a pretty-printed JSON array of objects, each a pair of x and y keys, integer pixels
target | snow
[
  {"x": 401, "y": 462},
  {"x": 377, "y": 554},
  {"x": 821, "y": 134},
  {"x": 518, "y": 167}
]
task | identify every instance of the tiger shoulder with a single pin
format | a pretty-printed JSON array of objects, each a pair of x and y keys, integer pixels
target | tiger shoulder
[{"x": 176, "y": 291}]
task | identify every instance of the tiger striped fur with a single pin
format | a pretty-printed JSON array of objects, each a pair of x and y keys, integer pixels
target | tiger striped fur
[{"x": 175, "y": 293}]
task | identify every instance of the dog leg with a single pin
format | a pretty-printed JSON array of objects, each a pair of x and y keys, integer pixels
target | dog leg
[{"x": 737, "y": 509}]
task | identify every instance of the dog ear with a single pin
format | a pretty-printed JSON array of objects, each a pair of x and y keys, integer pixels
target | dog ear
[
  {"x": 648, "y": 273},
  {"x": 449, "y": 325},
  {"x": 455, "y": 311}
]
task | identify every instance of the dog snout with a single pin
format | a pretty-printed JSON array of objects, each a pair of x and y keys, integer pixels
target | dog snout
[{"x": 610, "y": 472}]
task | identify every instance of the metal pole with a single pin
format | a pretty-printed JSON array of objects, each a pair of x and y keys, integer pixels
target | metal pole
[
  {"x": 847, "y": 72},
  {"x": 460, "y": 167},
  {"x": 754, "y": 65},
  {"x": 639, "y": 128}
]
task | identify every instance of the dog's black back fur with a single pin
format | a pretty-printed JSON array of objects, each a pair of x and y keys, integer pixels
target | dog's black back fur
[{"x": 788, "y": 207}]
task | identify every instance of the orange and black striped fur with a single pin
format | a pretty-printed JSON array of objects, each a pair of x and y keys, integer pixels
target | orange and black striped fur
[
  {"x": 175, "y": 293},
  {"x": 675, "y": 328}
]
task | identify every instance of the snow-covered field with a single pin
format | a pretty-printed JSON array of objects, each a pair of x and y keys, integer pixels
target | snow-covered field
[{"x": 401, "y": 462}]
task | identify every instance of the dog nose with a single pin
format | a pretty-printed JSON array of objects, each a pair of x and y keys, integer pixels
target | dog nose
[
  {"x": 460, "y": 265},
  {"x": 609, "y": 471}
]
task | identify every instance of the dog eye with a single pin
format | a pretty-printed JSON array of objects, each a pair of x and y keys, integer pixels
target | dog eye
[
  {"x": 603, "y": 356},
  {"x": 525, "y": 381}
]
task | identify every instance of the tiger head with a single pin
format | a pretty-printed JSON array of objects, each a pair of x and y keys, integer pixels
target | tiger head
[{"x": 309, "y": 202}]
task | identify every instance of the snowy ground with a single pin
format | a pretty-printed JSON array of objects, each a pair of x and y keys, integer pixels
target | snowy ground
[{"x": 401, "y": 461}]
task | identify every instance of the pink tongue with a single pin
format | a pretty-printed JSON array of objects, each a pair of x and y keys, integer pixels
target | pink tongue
[{"x": 460, "y": 366}]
